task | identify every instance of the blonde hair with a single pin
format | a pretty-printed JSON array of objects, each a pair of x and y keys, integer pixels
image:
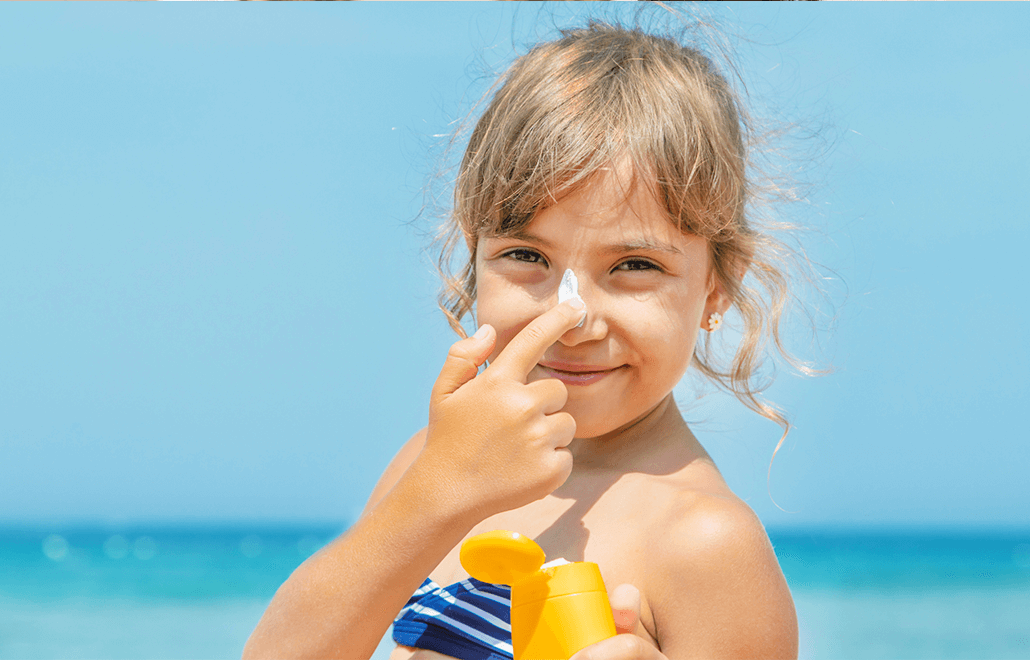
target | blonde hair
[{"x": 570, "y": 108}]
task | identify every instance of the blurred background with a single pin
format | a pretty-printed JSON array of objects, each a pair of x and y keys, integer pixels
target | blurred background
[{"x": 218, "y": 316}]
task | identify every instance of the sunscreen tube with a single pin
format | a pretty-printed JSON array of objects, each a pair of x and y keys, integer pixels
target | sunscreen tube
[
  {"x": 569, "y": 288},
  {"x": 557, "y": 608}
]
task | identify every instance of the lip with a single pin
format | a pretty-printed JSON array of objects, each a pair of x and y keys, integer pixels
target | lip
[
  {"x": 581, "y": 378},
  {"x": 575, "y": 367}
]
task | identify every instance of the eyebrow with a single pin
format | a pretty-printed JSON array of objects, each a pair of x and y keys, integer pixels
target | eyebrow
[{"x": 643, "y": 243}]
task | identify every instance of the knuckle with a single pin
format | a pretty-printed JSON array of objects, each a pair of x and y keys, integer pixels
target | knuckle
[
  {"x": 564, "y": 461},
  {"x": 486, "y": 377},
  {"x": 521, "y": 406},
  {"x": 458, "y": 350},
  {"x": 550, "y": 390},
  {"x": 559, "y": 391},
  {"x": 532, "y": 405},
  {"x": 539, "y": 431},
  {"x": 561, "y": 429},
  {"x": 630, "y": 645},
  {"x": 533, "y": 333},
  {"x": 461, "y": 362},
  {"x": 549, "y": 430},
  {"x": 621, "y": 647}
]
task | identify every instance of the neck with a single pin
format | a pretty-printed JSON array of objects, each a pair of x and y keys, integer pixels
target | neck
[{"x": 642, "y": 439}]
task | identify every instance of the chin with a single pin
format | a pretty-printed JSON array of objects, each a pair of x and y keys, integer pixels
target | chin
[{"x": 590, "y": 426}]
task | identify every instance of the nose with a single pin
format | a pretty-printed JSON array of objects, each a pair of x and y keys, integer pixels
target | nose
[
  {"x": 592, "y": 326},
  {"x": 569, "y": 289}
]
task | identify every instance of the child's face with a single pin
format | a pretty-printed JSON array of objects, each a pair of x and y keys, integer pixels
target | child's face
[{"x": 644, "y": 306}]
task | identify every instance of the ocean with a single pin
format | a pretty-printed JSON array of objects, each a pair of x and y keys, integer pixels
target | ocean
[{"x": 171, "y": 593}]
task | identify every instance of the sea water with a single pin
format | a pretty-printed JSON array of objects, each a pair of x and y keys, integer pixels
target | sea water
[{"x": 164, "y": 592}]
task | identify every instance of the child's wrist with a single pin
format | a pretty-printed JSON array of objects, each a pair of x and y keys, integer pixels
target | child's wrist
[{"x": 437, "y": 499}]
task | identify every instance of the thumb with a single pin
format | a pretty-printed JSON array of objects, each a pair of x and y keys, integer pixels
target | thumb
[
  {"x": 463, "y": 361},
  {"x": 625, "y": 602}
]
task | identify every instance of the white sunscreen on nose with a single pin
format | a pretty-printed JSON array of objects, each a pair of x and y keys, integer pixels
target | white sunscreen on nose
[{"x": 568, "y": 289}]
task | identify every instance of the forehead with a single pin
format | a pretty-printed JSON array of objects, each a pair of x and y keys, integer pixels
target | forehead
[{"x": 609, "y": 213}]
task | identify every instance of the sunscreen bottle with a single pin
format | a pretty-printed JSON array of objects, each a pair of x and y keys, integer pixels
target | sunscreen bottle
[{"x": 557, "y": 608}]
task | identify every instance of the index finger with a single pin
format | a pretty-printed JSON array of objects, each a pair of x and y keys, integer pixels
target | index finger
[{"x": 526, "y": 348}]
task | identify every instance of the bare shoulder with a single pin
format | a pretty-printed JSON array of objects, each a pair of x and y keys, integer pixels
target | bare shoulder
[
  {"x": 717, "y": 590},
  {"x": 398, "y": 466}
]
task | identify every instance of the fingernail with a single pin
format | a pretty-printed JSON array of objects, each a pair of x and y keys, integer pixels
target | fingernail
[
  {"x": 481, "y": 332},
  {"x": 578, "y": 304}
]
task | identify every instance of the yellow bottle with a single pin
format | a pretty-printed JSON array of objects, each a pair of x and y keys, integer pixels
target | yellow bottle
[{"x": 556, "y": 610}]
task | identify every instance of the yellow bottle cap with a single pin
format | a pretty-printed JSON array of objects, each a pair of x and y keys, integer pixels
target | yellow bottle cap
[{"x": 501, "y": 557}]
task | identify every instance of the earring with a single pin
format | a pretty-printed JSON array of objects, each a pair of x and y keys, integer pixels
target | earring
[{"x": 714, "y": 321}]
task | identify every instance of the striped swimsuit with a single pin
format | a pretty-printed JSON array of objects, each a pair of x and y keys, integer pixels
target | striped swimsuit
[{"x": 470, "y": 620}]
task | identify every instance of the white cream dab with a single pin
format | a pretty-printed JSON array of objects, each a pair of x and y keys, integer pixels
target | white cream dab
[{"x": 568, "y": 289}]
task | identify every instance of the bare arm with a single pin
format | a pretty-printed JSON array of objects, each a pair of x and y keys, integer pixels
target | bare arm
[
  {"x": 716, "y": 592},
  {"x": 722, "y": 594},
  {"x": 340, "y": 602},
  {"x": 494, "y": 443}
]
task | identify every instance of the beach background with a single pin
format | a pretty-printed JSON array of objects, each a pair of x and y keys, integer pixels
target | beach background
[{"x": 218, "y": 322}]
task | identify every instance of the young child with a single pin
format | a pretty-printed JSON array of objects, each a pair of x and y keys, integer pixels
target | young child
[{"x": 621, "y": 156}]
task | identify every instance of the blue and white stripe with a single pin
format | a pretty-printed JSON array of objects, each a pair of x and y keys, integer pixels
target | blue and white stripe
[{"x": 469, "y": 619}]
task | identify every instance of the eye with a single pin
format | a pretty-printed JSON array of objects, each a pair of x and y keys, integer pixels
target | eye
[
  {"x": 530, "y": 253},
  {"x": 533, "y": 257},
  {"x": 642, "y": 265}
]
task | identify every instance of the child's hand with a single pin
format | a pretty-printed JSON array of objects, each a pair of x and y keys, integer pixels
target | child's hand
[{"x": 494, "y": 442}]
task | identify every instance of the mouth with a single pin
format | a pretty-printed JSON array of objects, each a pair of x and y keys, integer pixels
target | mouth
[
  {"x": 579, "y": 377},
  {"x": 578, "y": 369}
]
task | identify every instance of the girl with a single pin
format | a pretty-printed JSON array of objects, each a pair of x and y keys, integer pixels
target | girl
[{"x": 622, "y": 156}]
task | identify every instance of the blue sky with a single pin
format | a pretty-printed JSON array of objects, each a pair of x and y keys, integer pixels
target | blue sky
[{"x": 215, "y": 305}]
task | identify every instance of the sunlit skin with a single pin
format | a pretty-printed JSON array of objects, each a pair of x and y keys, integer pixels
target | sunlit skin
[
  {"x": 688, "y": 567},
  {"x": 606, "y": 472},
  {"x": 644, "y": 306}
]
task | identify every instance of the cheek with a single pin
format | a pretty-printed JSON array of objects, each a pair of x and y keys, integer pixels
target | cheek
[
  {"x": 669, "y": 338},
  {"x": 669, "y": 349},
  {"x": 507, "y": 310},
  {"x": 505, "y": 333}
]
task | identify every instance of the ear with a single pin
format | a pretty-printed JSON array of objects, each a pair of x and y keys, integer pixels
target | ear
[{"x": 719, "y": 300}]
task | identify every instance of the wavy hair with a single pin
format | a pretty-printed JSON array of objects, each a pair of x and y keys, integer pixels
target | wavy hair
[{"x": 570, "y": 108}]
